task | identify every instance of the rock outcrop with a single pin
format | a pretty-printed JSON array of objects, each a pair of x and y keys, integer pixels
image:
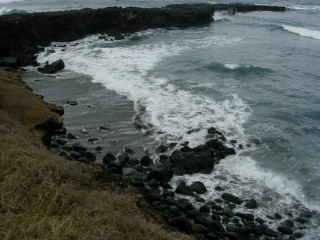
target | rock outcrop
[{"x": 23, "y": 34}]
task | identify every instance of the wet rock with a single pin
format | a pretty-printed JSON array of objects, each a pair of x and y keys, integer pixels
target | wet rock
[
  {"x": 205, "y": 209},
  {"x": 153, "y": 195},
  {"x": 277, "y": 216},
  {"x": 182, "y": 223},
  {"x": 72, "y": 102},
  {"x": 298, "y": 235},
  {"x": 285, "y": 229},
  {"x": 200, "y": 159},
  {"x": 71, "y": 136},
  {"x": 103, "y": 128},
  {"x": 146, "y": 161},
  {"x": 50, "y": 125},
  {"x": 98, "y": 148},
  {"x": 231, "y": 198},
  {"x": 93, "y": 140},
  {"x": 184, "y": 189},
  {"x": 123, "y": 158},
  {"x": 215, "y": 134},
  {"x": 198, "y": 187},
  {"x": 162, "y": 149},
  {"x": 219, "y": 188},
  {"x": 184, "y": 204},
  {"x": 162, "y": 174},
  {"x": 129, "y": 150},
  {"x": 251, "y": 204},
  {"x": 61, "y": 141},
  {"x": 89, "y": 156},
  {"x": 198, "y": 228},
  {"x": 246, "y": 216},
  {"x": 78, "y": 148},
  {"x": 108, "y": 159},
  {"x": 52, "y": 68}
]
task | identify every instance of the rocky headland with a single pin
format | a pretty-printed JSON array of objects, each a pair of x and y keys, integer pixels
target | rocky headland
[{"x": 23, "y": 35}]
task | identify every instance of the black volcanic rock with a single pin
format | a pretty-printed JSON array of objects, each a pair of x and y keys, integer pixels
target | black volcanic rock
[
  {"x": 52, "y": 67},
  {"x": 239, "y": 7},
  {"x": 200, "y": 159},
  {"x": 21, "y": 34}
]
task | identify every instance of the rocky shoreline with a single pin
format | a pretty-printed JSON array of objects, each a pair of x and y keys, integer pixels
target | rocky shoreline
[
  {"x": 25, "y": 34},
  {"x": 215, "y": 219}
]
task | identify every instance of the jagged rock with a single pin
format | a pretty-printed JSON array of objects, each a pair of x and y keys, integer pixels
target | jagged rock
[{"x": 52, "y": 67}]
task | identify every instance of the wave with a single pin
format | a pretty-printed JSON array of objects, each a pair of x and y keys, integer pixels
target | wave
[
  {"x": 8, "y": 11},
  {"x": 218, "y": 17},
  {"x": 240, "y": 69},
  {"x": 10, "y": 1},
  {"x": 127, "y": 69},
  {"x": 304, "y": 32},
  {"x": 304, "y": 7}
]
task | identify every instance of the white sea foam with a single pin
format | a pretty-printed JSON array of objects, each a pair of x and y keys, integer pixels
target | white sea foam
[
  {"x": 9, "y": 1},
  {"x": 218, "y": 16},
  {"x": 173, "y": 111},
  {"x": 5, "y": 10},
  {"x": 305, "y": 7},
  {"x": 232, "y": 66},
  {"x": 304, "y": 32},
  {"x": 128, "y": 70}
]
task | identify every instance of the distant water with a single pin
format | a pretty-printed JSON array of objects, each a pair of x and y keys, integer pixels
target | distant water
[{"x": 253, "y": 76}]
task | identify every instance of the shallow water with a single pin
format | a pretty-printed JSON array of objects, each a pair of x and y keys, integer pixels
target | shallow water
[{"x": 253, "y": 76}]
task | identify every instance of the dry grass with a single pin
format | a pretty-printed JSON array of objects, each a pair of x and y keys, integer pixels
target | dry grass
[{"x": 45, "y": 197}]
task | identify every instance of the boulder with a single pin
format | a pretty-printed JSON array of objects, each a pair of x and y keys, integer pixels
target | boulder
[
  {"x": 52, "y": 67},
  {"x": 231, "y": 198},
  {"x": 184, "y": 189},
  {"x": 146, "y": 161},
  {"x": 108, "y": 158},
  {"x": 200, "y": 159},
  {"x": 198, "y": 187},
  {"x": 182, "y": 223},
  {"x": 251, "y": 204},
  {"x": 162, "y": 174}
]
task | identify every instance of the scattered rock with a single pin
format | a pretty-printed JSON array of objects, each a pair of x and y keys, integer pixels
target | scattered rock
[
  {"x": 285, "y": 230},
  {"x": 72, "y": 102},
  {"x": 251, "y": 204},
  {"x": 184, "y": 189},
  {"x": 108, "y": 159},
  {"x": 200, "y": 159},
  {"x": 198, "y": 187},
  {"x": 52, "y": 68},
  {"x": 162, "y": 149},
  {"x": 182, "y": 223},
  {"x": 146, "y": 161},
  {"x": 231, "y": 198}
]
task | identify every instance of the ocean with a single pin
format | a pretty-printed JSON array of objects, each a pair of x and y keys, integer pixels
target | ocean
[{"x": 253, "y": 76}]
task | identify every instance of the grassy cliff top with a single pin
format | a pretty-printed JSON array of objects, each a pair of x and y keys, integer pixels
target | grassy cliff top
[{"x": 46, "y": 197}]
